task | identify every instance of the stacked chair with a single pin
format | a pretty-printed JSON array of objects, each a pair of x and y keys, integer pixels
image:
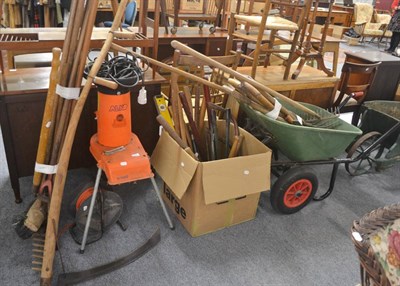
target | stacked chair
[{"x": 280, "y": 22}]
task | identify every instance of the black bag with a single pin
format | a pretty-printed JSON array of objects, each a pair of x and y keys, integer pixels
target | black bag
[{"x": 352, "y": 33}]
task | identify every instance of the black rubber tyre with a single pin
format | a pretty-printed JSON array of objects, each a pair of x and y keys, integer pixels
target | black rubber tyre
[
  {"x": 363, "y": 165},
  {"x": 293, "y": 190}
]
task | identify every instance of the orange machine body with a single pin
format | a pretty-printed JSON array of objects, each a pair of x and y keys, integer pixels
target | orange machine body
[
  {"x": 116, "y": 149},
  {"x": 125, "y": 164},
  {"x": 114, "y": 119}
]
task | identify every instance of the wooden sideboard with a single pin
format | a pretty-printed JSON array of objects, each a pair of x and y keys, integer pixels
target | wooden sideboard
[
  {"x": 349, "y": 10},
  {"x": 312, "y": 86},
  {"x": 202, "y": 41},
  {"x": 338, "y": 16},
  {"x": 22, "y": 98},
  {"x": 44, "y": 39}
]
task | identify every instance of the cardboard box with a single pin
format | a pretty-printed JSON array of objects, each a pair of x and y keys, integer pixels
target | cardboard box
[{"x": 208, "y": 196}]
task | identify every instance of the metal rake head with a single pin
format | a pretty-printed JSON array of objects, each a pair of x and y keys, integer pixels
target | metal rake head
[
  {"x": 334, "y": 110},
  {"x": 325, "y": 120},
  {"x": 37, "y": 251}
]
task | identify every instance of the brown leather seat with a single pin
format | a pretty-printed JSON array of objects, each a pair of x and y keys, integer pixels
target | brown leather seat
[{"x": 355, "y": 82}]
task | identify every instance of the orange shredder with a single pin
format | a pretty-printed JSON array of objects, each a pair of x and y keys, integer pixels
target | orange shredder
[{"x": 117, "y": 150}]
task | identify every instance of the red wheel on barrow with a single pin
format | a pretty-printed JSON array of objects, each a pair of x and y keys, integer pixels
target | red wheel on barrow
[{"x": 293, "y": 190}]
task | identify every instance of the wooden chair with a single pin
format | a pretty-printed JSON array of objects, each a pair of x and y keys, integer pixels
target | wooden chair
[
  {"x": 363, "y": 232},
  {"x": 280, "y": 23},
  {"x": 201, "y": 11},
  {"x": 383, "y": 17},
  {"x": 307, "y": 51},
  {"x": 355, "y": 82}
]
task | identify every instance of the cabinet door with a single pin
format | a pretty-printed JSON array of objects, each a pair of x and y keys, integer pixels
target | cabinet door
[
  {"x": 24, "y": 115},
  {"x": 24, "y": 120},
  {"x": 215, "y": 47},
  {"x": 21, "y": 120}
]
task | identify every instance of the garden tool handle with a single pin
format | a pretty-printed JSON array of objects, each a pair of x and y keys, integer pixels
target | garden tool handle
[
  {"x": 193, "y": 127},
  {"x": 104, "y": 82},
  {"x": 237, "y": 142},
  {"x": 175, "y": 135},
  {"x": 47, "y": 114},
  {"x": 172, "y": 69},
  {"x": 179, "y": 46},
  {"x": 124, "y": 35}
]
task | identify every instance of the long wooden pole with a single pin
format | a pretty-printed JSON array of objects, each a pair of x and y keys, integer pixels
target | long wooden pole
[
  {"x": 172, "y": 69},
  {"x": 47, "y": 117},
  {"x": 179, "y": 46},
  {"x": 216, "y": 64},
  {"x": 59, "y": 182}
]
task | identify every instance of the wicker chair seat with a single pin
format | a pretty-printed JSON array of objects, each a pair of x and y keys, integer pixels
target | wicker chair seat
[
  {"x": 376, "y": 237},
  {"x": 273, "y": 22}
]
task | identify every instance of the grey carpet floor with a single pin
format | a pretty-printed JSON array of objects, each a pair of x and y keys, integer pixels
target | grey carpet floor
[{"x": 311, "y": 247}]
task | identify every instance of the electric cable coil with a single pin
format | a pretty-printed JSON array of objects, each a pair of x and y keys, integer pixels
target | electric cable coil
[{"x": 125, "y": 70}]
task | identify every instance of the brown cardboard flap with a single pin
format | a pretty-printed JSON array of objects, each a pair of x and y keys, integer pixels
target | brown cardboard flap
[
  {"x": 173, "y": 164},
  {"x": 235, "y": 177}
]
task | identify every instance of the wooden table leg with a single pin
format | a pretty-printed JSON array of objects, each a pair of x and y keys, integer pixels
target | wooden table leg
[{"x": 333, "y": 48}]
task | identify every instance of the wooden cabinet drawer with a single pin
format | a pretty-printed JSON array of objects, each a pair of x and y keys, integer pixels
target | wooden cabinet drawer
[{"x": 215, "y": 47}]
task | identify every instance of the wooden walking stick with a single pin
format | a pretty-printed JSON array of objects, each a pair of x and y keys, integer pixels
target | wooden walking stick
[
  {"x": 62, "y": 71},
  {"x": 76, "y": 32},
  {"x": 59, "y": 182},
  {"x": 47, "y": 116}
]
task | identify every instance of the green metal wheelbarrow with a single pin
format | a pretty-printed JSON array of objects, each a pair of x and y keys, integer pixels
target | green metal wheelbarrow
[
  {"x": 297, "y": 185},
  {"x": 380, "y": 124}
]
